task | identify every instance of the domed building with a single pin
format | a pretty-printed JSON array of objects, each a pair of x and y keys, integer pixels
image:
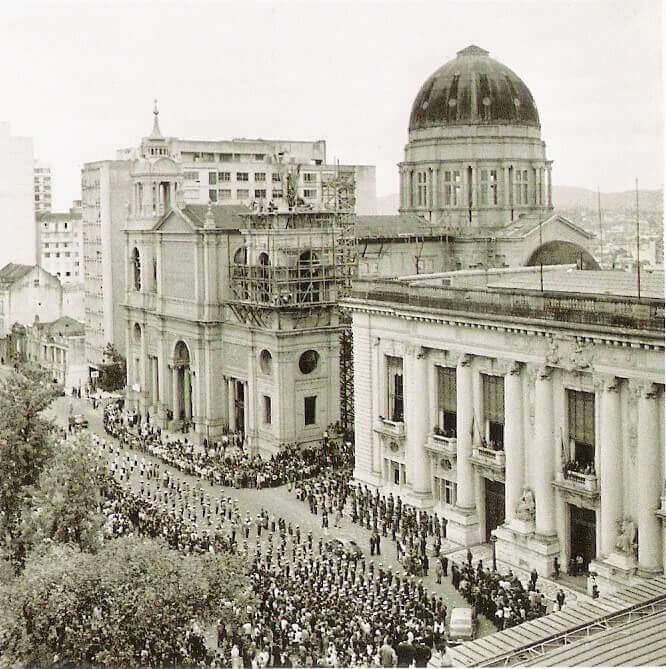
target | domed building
[{"x": 475, "y": 172}]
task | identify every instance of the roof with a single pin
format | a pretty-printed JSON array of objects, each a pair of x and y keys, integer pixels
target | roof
[
  {"x": 621, "y": 284},
  {"x": 65, "y": 325},
  {"x": 638, "y": 643},
  {"x": 226, "y": 216},
  {"x": 59, "y": 216},
  {"x": 12, "y": 272},
  {"x": 473, "y": 89}
]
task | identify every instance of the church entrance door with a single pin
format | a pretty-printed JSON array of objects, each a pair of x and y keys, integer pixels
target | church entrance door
[
  {"x": 583, "y": 534},
  {"x": 494, "y": 505}
]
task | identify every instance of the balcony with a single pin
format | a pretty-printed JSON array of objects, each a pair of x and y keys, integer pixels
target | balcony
[
  {"x": 441, "y": 445},
  {"x": 489, "y": 461},
  {"x": 580, "y": 489},
  {"x": 390, "y": 428}
]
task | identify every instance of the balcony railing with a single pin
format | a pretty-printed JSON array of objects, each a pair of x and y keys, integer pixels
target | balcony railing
[
  {"x": 587, "y": 482},
  {"x": 489, "y": 456},
  {"x": 442, "y": 445},
  {"x": 390, "y": 427}
]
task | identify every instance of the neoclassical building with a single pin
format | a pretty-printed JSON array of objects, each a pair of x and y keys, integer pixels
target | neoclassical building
[
  {"x": 533, "y": 415},
  {"x": 231, "y": 317}
]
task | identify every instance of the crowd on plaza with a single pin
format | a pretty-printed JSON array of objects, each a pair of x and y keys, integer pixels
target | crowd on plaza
[
  {"x": 226, "y": 461},
  {"x": 315, "y": 607}
]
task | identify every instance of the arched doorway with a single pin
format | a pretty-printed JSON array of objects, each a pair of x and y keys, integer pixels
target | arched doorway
[
  {"x": 559, "y": 252},
  {"x": 182, "y": 383}
]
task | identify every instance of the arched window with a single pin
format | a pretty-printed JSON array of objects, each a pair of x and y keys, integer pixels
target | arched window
[
  {"x": 136, "y": 268},
  {"x": 240, "y": 257},
  {"x": 240, "y": 273},
  {"x": 309, "y": 271},
  {"x": 137, "y": 333}
]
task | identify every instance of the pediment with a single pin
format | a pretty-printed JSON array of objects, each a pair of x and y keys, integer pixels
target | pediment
[{"x": 174, "y": 222}]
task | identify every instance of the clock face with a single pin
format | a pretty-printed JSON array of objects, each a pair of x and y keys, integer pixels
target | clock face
[{"x": 308, "y": 361}]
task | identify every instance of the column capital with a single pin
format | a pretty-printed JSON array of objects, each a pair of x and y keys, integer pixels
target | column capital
[
  {"x": 606, "y": 382},
  {"x": 464, "y": 360},
  {"x": 643, "y": 389},
  {"x": 544, "y": 372},
  {"x": 509, "y": 367}
]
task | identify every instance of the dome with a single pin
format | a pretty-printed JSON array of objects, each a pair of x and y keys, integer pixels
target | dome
[{"x": 473, "y": 89}]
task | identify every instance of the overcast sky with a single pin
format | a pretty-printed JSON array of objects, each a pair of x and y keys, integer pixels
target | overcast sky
[{"x": 80, "y": 78}]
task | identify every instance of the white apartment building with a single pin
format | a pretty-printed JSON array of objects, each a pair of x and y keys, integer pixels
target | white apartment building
[
  {"x": 17, "y": 199},
  {"x": 43, "y": 184},
  {"x": 61, "y": 244}
]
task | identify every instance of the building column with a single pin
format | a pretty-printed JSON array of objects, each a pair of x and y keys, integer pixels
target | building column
[
  {"x": 175, "y": 394},
  {"x": 187, "y": 393},
  {"x": 429, "y": 196},
  {"x": 231, "y": 396},
  {"x": 246, "y": 408},
  {"x": 611, "y": 463},
  {"x": 435, "y": 189},
  {"x": 513, "y": 439},
  {"x": 416, "y": 423},
  {"x": 550, "y": 184},
  {"x": 411, "y": 189},
  {"x": 464, "y": 423},
  {"x": 506, "y": 187},
  {"x": 155, "y": 388},
  {"x": 649, "y": 480},
  {"x": 475, "y": 186},
  {"x": 545, "y": 453}
]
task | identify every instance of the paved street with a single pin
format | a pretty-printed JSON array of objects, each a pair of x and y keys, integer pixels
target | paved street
[{"x": 280, "y": 502}]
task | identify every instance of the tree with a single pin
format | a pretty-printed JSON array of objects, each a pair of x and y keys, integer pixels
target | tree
[
  {"x": 25, "y": 447},
  {"x": 63, "y": 507},
  {"x": 113, "y": 373},
  {"x": 134, "y": 602}
]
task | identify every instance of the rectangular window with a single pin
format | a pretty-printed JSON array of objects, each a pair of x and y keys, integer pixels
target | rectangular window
[
  {"x": 395, "y": 401},
  {"x": 260, "y": 176},
  {"x": 310, "y": 408},
  {"x": 225, "y": 194},
  {"x": 267, "y": 410},
  {"x": 493, "y": 187},
  {"x": 242, "y": 194},
  {"x": 449, "y": 492},
  {"x": 224, "y": 176},
  {"x": 452, "y": 188},
  {"x": 259, "y": 156},
  {"x": 47, "y": 254},
  {"x": 276, "y": 194},
  {"x": 581, "y": 427},
  {"x": 212, "y": 195},
  {"x": 493, "y": 411},
  {"x": 260, "y": 193},
  {"x": 422, "y": 189},
  {"x": 521, "y": 187},
  {"x": 309, "y": 177},
  {"x": 309, "y": 193},
  {"x": 191, "y": 176},
  {"x": 242, "y": 176},
  {"x": 226, "y": 157},
  {"x": 212, "y": 178},
  {"x": 447, "y": 401},
  {"x": 276, "y": 177}
]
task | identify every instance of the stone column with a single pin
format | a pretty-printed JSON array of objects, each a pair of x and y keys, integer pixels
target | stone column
[
  {"x": 506, "y": 187},
  {"x": 187, "y": 392},
  {"x": 154, "y": 382},
  {"x": 475, "y": 186},
  {"x": 416, "y": 422},
  {"x": 464, "y": 421},
  {"x": 513, "y": 439},
  {"x": 545, "y": 452},
  {"x": 550, "y": 184},
  {"x": 175, "y": 394},
  {"x": 435, "y": 189},
  {"x": 231, "y": 396},
  {"x": 246, "y": 407},
  {"x": 649, "y": 480},
  {"x": 610, "y": 448}
]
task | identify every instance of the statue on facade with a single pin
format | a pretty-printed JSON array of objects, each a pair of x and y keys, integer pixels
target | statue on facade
[
  {"x": 626, "y": 538},
  {"x": 526, "y": 508}
]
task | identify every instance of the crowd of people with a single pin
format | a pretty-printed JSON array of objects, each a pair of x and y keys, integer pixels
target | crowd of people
[
  {"x": 226, "y": 462},
  {"x": 315, "y": 607}
]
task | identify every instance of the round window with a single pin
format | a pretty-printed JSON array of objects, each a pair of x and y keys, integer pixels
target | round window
[
  {"x": 308, "y": 361},
  {"x": 266, "y": 361}
]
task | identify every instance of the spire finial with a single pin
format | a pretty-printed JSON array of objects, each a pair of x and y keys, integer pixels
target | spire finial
[{"x": 156, "y": 134}]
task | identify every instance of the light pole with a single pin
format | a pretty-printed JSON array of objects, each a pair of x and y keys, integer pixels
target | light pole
[{"x": 493, "y": 541}]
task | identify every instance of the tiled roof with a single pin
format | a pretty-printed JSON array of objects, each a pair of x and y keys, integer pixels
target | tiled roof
[
  {"x": 226, "y": 216},
  {"x": 12, "y": 272},
  {"x": 390, "y": 226},
  {"x": 65, "y": 325}
]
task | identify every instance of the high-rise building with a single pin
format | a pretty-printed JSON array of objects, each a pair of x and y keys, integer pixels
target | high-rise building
[
  {"x": 17, "y": 199},
  {"x": 61, "y": 244},
  {"x": 42, "y": 187}
]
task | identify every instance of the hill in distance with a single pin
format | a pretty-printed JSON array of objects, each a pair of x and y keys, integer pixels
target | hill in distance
[{"x": 569, "y": 197}]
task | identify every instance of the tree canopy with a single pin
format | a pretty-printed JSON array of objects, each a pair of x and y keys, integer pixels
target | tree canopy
[{"x": 134, "y": 602}]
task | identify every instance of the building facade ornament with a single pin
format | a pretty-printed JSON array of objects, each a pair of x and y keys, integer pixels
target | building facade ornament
[
  {"x": 626, "y": 537},
  {"x": 606, "y": 383},
  {"x": 571, "y": 354},
  {"x": 526, "y": 507}
]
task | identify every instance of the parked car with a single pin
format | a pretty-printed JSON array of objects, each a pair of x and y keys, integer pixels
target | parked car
[
  {"x": 343, "y": 547},
  {"x": 463, "y": 625},
  {"x": 78, "y": 421}
]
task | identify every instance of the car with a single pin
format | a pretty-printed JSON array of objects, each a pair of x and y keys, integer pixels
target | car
[
  {"x": 463, "y": 625},
  {"x": 343, "y": 546},
  {"x": 78, "y": 421}
]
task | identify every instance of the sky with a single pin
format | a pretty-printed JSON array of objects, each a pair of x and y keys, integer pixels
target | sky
[{"x": 80, "y": 78}]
